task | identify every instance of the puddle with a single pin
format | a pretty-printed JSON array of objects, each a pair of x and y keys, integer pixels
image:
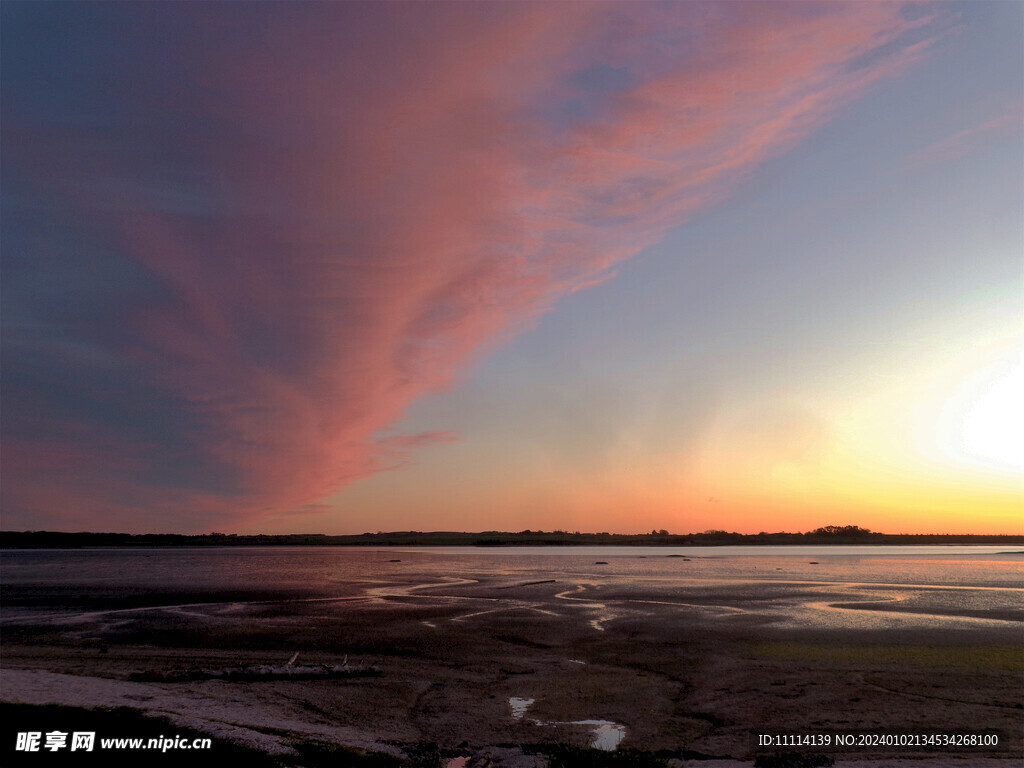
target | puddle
[
  {"x": 519, "y": 706},
  {"x": 607, "y": 735}
]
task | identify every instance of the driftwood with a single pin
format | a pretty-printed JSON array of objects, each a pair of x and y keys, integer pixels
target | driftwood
[{"x": 289, "y": 671}]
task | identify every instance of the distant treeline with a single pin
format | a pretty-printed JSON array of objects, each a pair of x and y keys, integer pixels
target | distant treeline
[{"x": 831, "y": 534}]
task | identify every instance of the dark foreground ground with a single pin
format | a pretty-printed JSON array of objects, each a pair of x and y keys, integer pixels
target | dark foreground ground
[{"x": 505, "y": 668}]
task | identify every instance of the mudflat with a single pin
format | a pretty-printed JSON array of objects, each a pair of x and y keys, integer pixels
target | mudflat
[{"x": 679, "y": 655}]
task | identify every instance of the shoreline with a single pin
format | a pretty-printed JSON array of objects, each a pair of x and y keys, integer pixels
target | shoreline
[
  {"x": 688, "y": 657},
  {"x": 848, "y": 536}
]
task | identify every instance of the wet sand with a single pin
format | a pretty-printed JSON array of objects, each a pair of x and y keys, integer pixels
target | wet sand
[{"x": 691, "y": 664}]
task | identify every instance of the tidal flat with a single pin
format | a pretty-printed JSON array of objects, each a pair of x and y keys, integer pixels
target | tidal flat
[{"x": 484, "y": 655}]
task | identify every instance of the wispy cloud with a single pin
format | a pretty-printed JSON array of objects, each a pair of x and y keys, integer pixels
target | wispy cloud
[
  {"x": 316, "y": 217},
  {"x": 966, "y": 141}
]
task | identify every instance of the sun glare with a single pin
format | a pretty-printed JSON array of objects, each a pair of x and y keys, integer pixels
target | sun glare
[
  {"x": 993, "y": 427},
  {"x": 981, "y": 422}
]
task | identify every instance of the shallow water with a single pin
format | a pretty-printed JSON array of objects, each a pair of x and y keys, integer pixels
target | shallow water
[
  {"x": 323, "y": 566},
  {"x": 814, "y": 586},
  {"x": 606, "y": 734},
  {"x": 519, "y": 706}
]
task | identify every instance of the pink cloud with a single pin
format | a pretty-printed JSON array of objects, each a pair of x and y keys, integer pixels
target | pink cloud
[
  {"x": 390, "y": 205},
  {"x": 966, "y": 141}
]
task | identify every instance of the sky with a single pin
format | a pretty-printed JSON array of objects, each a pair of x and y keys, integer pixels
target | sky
[{"x": 598, "y": 266}]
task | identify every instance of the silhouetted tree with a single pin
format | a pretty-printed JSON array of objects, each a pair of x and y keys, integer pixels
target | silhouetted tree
[{"x": 841, "y": 530}]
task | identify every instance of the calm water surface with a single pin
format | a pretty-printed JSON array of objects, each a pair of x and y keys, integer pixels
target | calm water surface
[{"x": 328, "y": 568}]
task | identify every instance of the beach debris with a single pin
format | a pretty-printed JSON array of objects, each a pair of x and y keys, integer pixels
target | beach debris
[
  {"x": 600, "y": 562},
  {"x": 289, "y": 671}
]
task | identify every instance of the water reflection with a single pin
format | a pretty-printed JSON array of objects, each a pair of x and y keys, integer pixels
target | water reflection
[
  {"x": 876, "y": 587},
  {"x": 606, "y": 734}
]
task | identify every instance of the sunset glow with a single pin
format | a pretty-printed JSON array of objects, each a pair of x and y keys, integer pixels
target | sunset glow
[{"x": 340, "y": 267}]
